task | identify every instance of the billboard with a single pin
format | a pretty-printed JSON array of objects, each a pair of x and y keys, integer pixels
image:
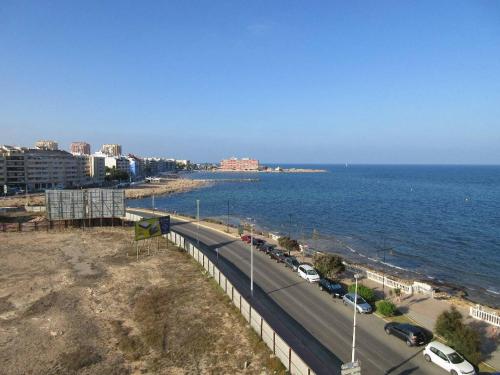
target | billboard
[
  {"x": 84, "y": 204},
  {"x": 152, "y": 227}
]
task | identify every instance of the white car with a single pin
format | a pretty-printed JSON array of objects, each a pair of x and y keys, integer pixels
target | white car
[
  {"x": 448, "y": 359},
  {"x": 309, "y": 273}
]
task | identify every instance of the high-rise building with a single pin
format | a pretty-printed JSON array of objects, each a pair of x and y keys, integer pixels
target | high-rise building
[
  {"x": 80, "y": 148},
  {"x": 3, "y": 173},
  {"x": 111, "y": 149},
  {"x": 46, "y": 145},
  {"x": 244, "y": 164}
]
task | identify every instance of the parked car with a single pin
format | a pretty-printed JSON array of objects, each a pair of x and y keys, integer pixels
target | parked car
[
  {"x": 267, "y": 248},
  {"x": 246, "y": 238},
  {"x": 361, "y": 305},
  {"x": 335, "y": 289},
  {"x": 309, "y": 273},
  {"x": 448, "y": 359},
  {"x": 258, "y": 241},
  {"x": 277, "y": 255},
  {"x": 410, "y": 334},
  {"x": 292, "y": 263}
]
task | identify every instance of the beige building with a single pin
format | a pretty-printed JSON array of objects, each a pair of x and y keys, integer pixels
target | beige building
[
  {"x": 80, "y": 148},
  {"x": 97, "y": 169},
  {"x": 47, "y": 145},
  {"x": 111, "y": 149},
  {"x": 38, "y": 169}
]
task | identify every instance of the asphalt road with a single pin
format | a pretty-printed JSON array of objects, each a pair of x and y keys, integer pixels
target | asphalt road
[{"x": 312, "y": 319}]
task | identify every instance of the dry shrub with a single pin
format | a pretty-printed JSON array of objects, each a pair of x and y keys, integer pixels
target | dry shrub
[{"x": 81, "y": 357}]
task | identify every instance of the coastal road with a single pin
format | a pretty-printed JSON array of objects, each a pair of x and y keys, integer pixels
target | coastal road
[{"x": 313, "y": 319}]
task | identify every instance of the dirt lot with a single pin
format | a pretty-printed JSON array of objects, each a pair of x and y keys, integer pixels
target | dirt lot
[{"x": 74, "y": 303}]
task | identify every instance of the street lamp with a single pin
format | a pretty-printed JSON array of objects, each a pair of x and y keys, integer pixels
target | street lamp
[
  {"x": 251, "y": 259},
  {"x": 383, "y": 250},
  {"x": 356, "y": 276},
  {"x": 198, "y": 221}
]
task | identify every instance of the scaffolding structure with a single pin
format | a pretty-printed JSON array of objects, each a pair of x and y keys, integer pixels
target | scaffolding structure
[{"x": 84, "y": 204}]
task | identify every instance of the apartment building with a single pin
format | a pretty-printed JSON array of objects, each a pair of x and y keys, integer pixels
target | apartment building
[
  {"x": 156, "y": 166},
  {"x": 46, "y": 145},
  {"x": 3, "y": 172},
  {"x": 121, "y": 163},
  {"x": 80, "y": 148},
  {"x": 136, "y": 166},
  {"x": 38, "y": 169},
  {"x": 235, "y": 164},
  {"x": 97, "y": 169},
  {"x": 111, "y": 150}
]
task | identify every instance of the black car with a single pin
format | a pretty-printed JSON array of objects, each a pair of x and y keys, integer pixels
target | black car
[
  {"x": 267, "y": 248},
  {"x": 335, "y": 289},
  {"x": 412, "y": 335},
  {"x": 292, "y": 262},
  {"x": 277, "y": 255}
]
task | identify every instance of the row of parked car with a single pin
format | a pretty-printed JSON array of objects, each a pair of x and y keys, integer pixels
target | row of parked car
[{"x": 412, "y": 335}]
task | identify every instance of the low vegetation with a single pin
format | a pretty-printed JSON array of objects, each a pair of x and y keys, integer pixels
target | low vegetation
[
  {"x": 386, "y": 308},
  {"x": 367, "y": 293},
  {"x": 462, "y": 338},
  {"x": 328, "y": 265}
]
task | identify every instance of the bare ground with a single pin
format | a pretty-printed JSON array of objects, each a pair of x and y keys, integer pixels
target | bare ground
[{"x": 75, "y": 303}]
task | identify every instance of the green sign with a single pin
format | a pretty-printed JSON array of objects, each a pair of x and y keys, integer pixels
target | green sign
[
  {"x": 152, "y": 227},
  {"x": 147, "y": 228}
]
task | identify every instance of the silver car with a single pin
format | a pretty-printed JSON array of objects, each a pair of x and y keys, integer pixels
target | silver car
[{"x": 361, "y": 305}]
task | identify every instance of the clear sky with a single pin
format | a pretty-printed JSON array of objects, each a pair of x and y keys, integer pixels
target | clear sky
[{"x": 281, "y": 81}]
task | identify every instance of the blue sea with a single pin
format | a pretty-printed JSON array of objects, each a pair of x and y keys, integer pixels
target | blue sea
[{"x": 436, "y": 223}]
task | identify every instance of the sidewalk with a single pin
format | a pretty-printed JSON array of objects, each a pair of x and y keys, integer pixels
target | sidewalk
[{"x": 424, "y": 310}]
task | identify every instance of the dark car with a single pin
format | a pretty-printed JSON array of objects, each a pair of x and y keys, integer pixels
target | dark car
[
  {"x": 292, "y": 263},
  {"x": 277, "y": 255},
  {"x": 258, "y": 242},
  {"x": 267, "y": 248},
  {"x": 412, "y": 335},
  {"x": 335, "y": 289}
]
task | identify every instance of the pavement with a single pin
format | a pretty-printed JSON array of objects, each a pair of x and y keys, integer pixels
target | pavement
[{"x": 309, "y": 312}]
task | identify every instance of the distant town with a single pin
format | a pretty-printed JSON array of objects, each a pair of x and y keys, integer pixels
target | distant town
[{"x": 45, "y": 166}]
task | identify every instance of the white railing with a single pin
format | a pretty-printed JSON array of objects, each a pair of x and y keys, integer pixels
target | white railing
[
  {"x": 291, "y": 360},
  {"x": 387, "y": 281},
  {"x": 478, "y": 312}
]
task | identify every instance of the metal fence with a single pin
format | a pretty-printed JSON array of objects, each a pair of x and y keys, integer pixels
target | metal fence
[
  {"x": 291, "y": 360},
  {"x": 491, "y": 317}
]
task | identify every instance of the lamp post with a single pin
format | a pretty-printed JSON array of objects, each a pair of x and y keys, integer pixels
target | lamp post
[
  {"x": 227, "y": 222},
  {"x": 383, "y": 251},
  {"x": 356, "y": 276},
  {"x": 290, "y": 226},
  {"x": 198, "y": 221},
  {"x": 251, "y": 259}
]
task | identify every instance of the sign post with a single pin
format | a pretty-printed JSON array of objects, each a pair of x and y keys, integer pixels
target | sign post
[{"x": 351, "y": 368}]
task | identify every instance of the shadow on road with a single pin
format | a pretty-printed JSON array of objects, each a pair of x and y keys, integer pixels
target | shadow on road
[
  {"x": 408, "y": 371},
  {"x": 285, "y": 287}
]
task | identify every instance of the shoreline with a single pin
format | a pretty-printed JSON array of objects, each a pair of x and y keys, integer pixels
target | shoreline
[
  {"x": 450, "y": 291},
  {"x": 283, "y": 170},
  {"x": 144, "y": 190}
]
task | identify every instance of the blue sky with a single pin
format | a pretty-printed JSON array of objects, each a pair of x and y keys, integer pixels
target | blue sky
[{"x": 282, "y": 81}]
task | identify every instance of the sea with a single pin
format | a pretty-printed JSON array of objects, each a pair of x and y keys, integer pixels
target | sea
[{"x": 439, "y": 224}]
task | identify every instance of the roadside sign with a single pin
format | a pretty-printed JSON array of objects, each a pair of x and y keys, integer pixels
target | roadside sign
[
  {"x": 165, "y": 224},
  {"x": 351, "y": 368}
]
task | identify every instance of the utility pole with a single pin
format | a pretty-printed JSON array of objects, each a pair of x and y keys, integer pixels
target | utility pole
[
  {"x": 290, "y": 226},
  {"x": 251, "y": 259},
  {"x": 153, "y": 203},
  {"x": 198, "y": 221},
  {"x": 227, "y": 223},
  {"x": 383, "y": 251}
]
